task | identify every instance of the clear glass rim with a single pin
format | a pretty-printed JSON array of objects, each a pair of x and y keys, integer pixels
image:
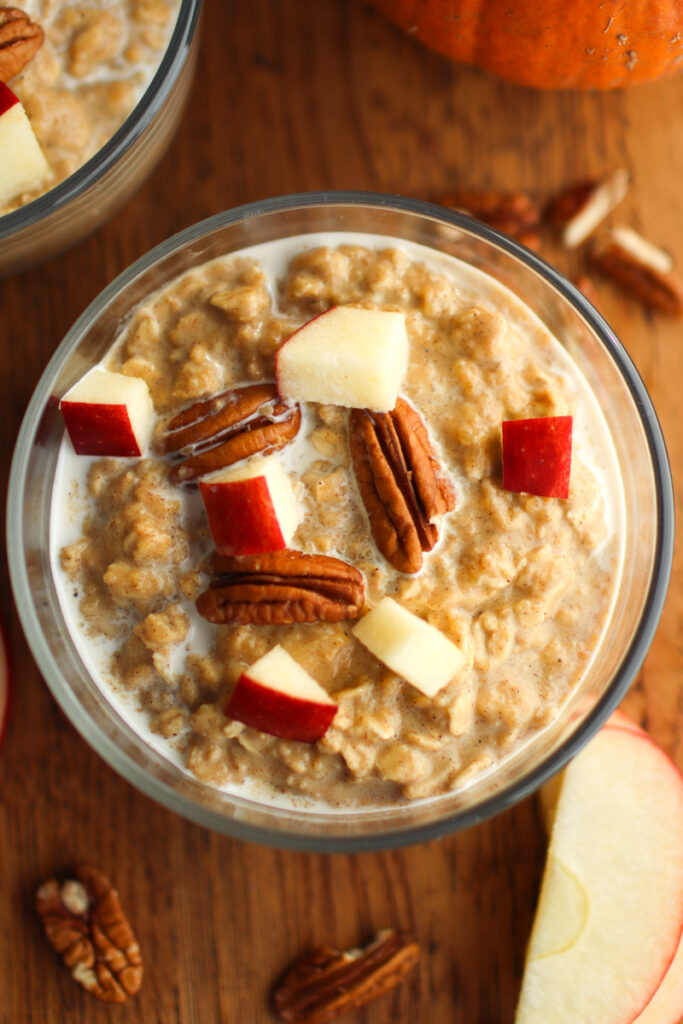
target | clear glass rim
[
  {"x": 400, "y": 836},
  {"x": 137, "y": 122}
]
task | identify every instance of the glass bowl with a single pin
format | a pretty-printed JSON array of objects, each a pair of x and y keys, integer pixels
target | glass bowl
[
  {"x": 648, "y": 522},
  {"x": 92, "y": 194}
]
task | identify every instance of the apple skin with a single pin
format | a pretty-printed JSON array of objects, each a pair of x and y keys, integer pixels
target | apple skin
[
  {"x": 7, "y": 98},
  {"x": 537, "y": 456},
  {"x": 243, "y": 513},
  {"x": 276, "y": 695},
  {"x": 279, "y": 714},
  {"x": 100, "y": 429},
  {"x": 5, "y": 684}
]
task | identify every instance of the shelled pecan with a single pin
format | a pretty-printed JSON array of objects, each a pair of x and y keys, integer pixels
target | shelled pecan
[
  {"x": 215, "y": 432},
  {"x": 20, "y": 40},
  {"x": 639, "y": 267},
  {"x": 85, "y": 924},
  {"x": 513, "y": 213},
  {"x": 326, "y": 982},
  {"x": 281, "y": 587},
  {"x": 401, "y": 483}
]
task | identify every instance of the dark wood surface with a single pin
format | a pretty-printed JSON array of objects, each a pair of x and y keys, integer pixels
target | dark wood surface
[{"x": 293, "y": 95}]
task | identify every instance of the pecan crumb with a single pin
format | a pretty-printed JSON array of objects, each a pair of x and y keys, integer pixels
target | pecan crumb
[
  {"x": 325, "y": 982},
  {"x": 20, "y": 40},
  {"x": 85, "y": 924}
]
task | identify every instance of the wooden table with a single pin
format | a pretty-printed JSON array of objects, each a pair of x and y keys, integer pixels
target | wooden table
[{"x": 293, "y": 95}]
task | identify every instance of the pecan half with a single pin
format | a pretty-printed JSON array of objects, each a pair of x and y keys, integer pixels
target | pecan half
[
  {"x": 639, "y": 267},
  {"x": 215, "y": 432},
  {"x": 20, "y": 40},
  {"x": 281, "y": 587},
  {"x": 513, "y": 213},
  {"x": 400, "y": 481},
  {"x": 326, "y": 982},
  {"x": 581, "y": 207},
  {"x": 85, "y": 924}
]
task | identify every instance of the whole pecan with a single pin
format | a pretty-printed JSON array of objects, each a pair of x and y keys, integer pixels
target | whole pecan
[
  {"x": 401, "y": 483},
  {"x": 513, "y": 213},
  {"x": 326, "y": 982},
  {"x": 640, "y": 268},
  {"x": 579, "y": 208},
  {"x": 215, "y": 432},
  {"x": 281, "y": 587},
  {"x": 20, "y": 40},
  {"x": 85, "y": 924}
]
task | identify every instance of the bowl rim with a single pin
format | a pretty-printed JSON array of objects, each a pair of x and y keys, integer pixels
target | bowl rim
[
  {"x": 126, "y": 135},
  {"x": 398, "y": 836}
]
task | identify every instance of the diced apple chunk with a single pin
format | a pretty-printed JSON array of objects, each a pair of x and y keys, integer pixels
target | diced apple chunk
[
  {"x": 409, "y": 646},
  {"x": 346, "y": 356},
  {"x": 537, "y": 456},
  {"x": 610, "y": 910},
  {"x": 108, "y": 414},
  {"x": 277, "y": 696},
  {"x": 251, "y": 509},
  {"x": 22, "y": 163}
]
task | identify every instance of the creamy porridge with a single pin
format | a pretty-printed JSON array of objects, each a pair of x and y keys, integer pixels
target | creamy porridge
[
  {"x": 522, "y": 585},
  {"x": 97, "y": 58}
]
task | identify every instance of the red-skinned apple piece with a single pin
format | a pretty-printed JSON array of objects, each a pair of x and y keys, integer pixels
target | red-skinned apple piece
[
  {"x": 251, "y": 509},
  {"x": 277, "y": 696},
  {"x": 23, "y": 165},
  {"x": 5, "y": 684},
  {"x": 108, "y": 414},
  {"x": 345, "y": 356},
  {"x": 610, "y": 911},
  {"x": 537, "y": 456}
]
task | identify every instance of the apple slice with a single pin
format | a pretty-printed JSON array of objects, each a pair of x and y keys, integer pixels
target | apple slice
[
  {"x": 610, "y": 911},
  {"x": 409, "y": 646},
  {"x": 277, "y": 696},
  {"x": 537, "y": 456},
  {"x": 108, "y": 414},
  {"x": 345, "y": 356},
  {"x": 5, "y": 684},
  {"x": 251, "y": 509},
  {"x": 666, "y": 1005},
  {"x": 23, "y": 166}
]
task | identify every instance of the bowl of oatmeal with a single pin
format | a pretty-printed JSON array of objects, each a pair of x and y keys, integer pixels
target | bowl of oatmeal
[
  {"x": 101, "y": 87},
  {"x": 461, "y": 627}
]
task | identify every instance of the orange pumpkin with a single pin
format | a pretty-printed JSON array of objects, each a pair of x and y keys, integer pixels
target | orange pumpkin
[{"x": 552, "y": 44}]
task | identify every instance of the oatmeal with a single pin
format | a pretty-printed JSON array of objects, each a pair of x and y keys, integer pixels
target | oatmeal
[
  {"x": 97, "y": 59},
  {"x": 520, "y": 585}
]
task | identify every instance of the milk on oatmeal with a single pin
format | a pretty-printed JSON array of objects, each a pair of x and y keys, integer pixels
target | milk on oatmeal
[
  {"x": 523, "y": 585},
  {"x": 97, "y": 59}
]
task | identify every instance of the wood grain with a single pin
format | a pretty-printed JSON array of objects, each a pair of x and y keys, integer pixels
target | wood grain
[{"x": 293, "y": 95}]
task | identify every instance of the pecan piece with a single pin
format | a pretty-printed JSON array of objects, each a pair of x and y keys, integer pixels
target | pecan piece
[
  {"x": 20, "y": 40},
  {"x": 215, "y": 432},
  {"x": 639, "y": 267},
  {"x": 281, "y": 587},
  {"x": 513, "y": 213},
  {"x": 326, "y": 982},
  {"x": 581, "y": 207},
  {"x": 401, "y": 483},
  {"x": 85, "y": 924}
]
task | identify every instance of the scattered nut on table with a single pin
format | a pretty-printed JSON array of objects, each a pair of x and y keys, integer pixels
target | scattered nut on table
[{"x": 86, "y": 925}]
